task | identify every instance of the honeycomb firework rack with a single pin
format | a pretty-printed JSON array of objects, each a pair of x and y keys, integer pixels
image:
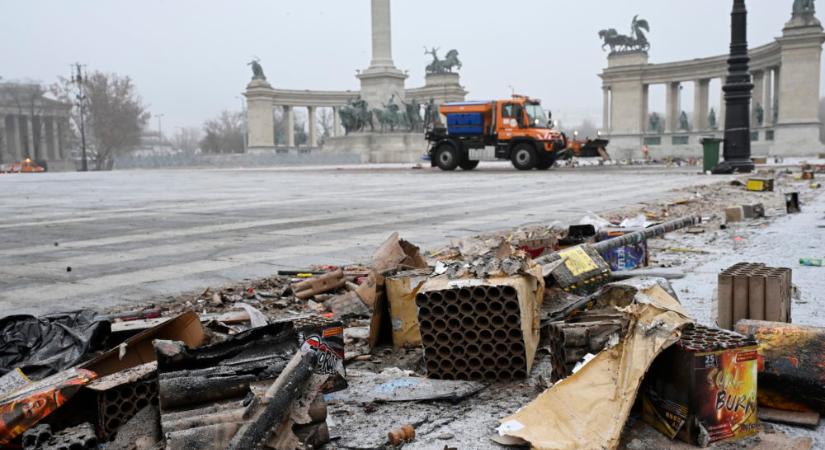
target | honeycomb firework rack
[{"x": 472, "y": 333}]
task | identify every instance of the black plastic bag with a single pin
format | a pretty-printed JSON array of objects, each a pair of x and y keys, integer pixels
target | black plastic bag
[{"x": 46, "y": 345}]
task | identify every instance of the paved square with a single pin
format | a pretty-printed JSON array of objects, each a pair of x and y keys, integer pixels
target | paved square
[{"x": 132, "y": 235}]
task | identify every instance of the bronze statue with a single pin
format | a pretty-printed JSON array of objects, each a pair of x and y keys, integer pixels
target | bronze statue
[
  {"x": 431, "y": 114},
  {"x": 655, "y": 123},
  {"x": 355, "y": 116},
  {"x": 389, "y": 116},
  {"x": 442, "y": 66},
  {"x": 803, "y": 7},
  {"x": 759, "y": 112},
  {"x": 712, "y": 120},
  {"x": 413, "y": 116},
  {"x": 683, "y": 121},
  {"x": 619, "y": 43},
  {"x": 257, "y": 70}
]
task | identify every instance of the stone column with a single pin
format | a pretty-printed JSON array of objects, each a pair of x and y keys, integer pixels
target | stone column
[
  {"x": 336, "y": 122},
  {"x": 720, "y": 118},
  {"x": 42, "y": 147},
  {"x": 15, "y": 147},
  {"x": 5, "y": 149},
  {"x": 313, "y": 126},
  {"x": 55, "y": 138},
  {"x": 701, "y": 102},
  {"x": 29, "y": 150},
  {"x": 606, "y": 110},
  {"x": 289, "y": 116},
  {"x": 260, "y": 122},
  {"x": 775, "y": 98},
  {"x": 758, "y": 95},
  {"x": 381, "y": 34},
  {"x": 645, "y": 106},
  {"x": 673, "y": 107}
]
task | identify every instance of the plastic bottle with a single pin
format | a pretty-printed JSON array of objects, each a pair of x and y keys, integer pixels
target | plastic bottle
[{"x": 811, "y": 262}]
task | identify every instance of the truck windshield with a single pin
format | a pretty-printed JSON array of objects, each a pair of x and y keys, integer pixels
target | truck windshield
[{"x": 534, "y": 112}]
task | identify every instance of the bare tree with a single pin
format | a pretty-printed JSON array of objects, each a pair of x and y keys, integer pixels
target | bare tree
[
  {"x": 223, "y": 134},
  {"x": 187, "y": 139},
  {"x": 115, "y": 115}
]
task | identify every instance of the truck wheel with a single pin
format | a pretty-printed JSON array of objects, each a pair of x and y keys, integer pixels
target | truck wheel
[
  {"x": 468, "y": 165},
  {"x": 523, "y": 157},
  {"x": 446, "y": 157},
  {"x": 546, "y": 162}
]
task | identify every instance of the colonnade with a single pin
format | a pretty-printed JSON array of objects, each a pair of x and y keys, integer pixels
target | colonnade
[{"x": 39, "y": 137}]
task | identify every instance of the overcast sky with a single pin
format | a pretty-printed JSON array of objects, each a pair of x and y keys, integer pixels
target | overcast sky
[{"x": 188, "y": 57}]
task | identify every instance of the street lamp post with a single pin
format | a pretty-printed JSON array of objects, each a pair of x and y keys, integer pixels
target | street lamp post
[
  {"x": 738, "y": 91},
  {"x": 81, "y": 101}
]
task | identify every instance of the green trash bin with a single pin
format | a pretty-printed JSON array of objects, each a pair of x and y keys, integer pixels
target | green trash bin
[{"x": 711, "y": 152}]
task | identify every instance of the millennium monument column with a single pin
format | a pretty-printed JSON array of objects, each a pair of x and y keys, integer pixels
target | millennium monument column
[
  {"x": 738, "y": 90},
  {"x": 381, "y": 80}
]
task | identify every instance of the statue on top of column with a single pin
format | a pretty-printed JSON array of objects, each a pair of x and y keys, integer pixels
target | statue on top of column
[
  {"x": 442, "y": 65},
  {"x": 803, "y": 7},
  {"x": 712, "y": 120},
  {"x": 636, "y": 42},
  {"x": 257, "y": 70}
]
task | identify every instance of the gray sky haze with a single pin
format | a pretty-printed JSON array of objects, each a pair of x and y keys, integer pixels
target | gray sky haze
[{"x": 188, "y": 57}]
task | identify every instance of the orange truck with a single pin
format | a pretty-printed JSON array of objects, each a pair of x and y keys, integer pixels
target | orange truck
[{"x": 515, "y": 129}]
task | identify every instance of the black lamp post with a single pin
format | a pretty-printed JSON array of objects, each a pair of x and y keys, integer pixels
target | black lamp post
[{"x": 737, "y": 88}]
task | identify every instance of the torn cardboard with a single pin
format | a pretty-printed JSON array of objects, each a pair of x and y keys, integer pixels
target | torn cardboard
[
  {"x": 589, "y": 409},
  {"x": 401, "y": 291}
]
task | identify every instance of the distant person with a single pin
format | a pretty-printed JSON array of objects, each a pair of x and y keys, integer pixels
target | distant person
[{"x": 646, "y": 153}]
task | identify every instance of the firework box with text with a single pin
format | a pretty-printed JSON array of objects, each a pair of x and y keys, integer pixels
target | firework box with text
[{"x": 703, "y": 389}]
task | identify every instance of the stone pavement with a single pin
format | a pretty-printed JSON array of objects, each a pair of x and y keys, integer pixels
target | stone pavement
[{"x": 130, "y": 236}]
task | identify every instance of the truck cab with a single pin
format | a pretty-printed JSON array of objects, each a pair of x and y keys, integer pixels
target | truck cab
[{"x": 515, "y": 129}]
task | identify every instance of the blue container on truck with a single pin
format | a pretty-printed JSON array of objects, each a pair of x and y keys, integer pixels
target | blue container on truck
[{"x": 465, "y": 124}]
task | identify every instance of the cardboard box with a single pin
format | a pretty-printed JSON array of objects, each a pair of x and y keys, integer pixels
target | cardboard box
[
  {"x": 734, "y": 214},
  {"x": 701, "y": 392},
  {"x": 476, "y": 329},
  {"x": 401, "y": 291}
]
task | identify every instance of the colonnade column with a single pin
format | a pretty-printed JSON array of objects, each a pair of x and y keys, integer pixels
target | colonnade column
[
  {"x": 29, "y": 150},
  {"x": 55, "y": 137},
  {"x": 770, "y": 94},
  {"x": 701, "y": 104},
  {"x": 41, "y": 147},
  {"x": 775, "y": 100},
  {"x": 644, "y": 108},
  {"x": 606, "y": 110},
  {"x": 289, "y": 115},
  {"x": 336, "y": 122},
  {"x": 313, "y": 126},
  {"x": 720, "y": 119},
  {"x": 14, "y": 139},
  {"x": 758, "y": 96},
  {"x": 673, "y": 107},
  {"x": 5, "y": 149}
]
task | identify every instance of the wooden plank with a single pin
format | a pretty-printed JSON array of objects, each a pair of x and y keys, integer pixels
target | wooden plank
[{"x": 805, "y": 419}]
